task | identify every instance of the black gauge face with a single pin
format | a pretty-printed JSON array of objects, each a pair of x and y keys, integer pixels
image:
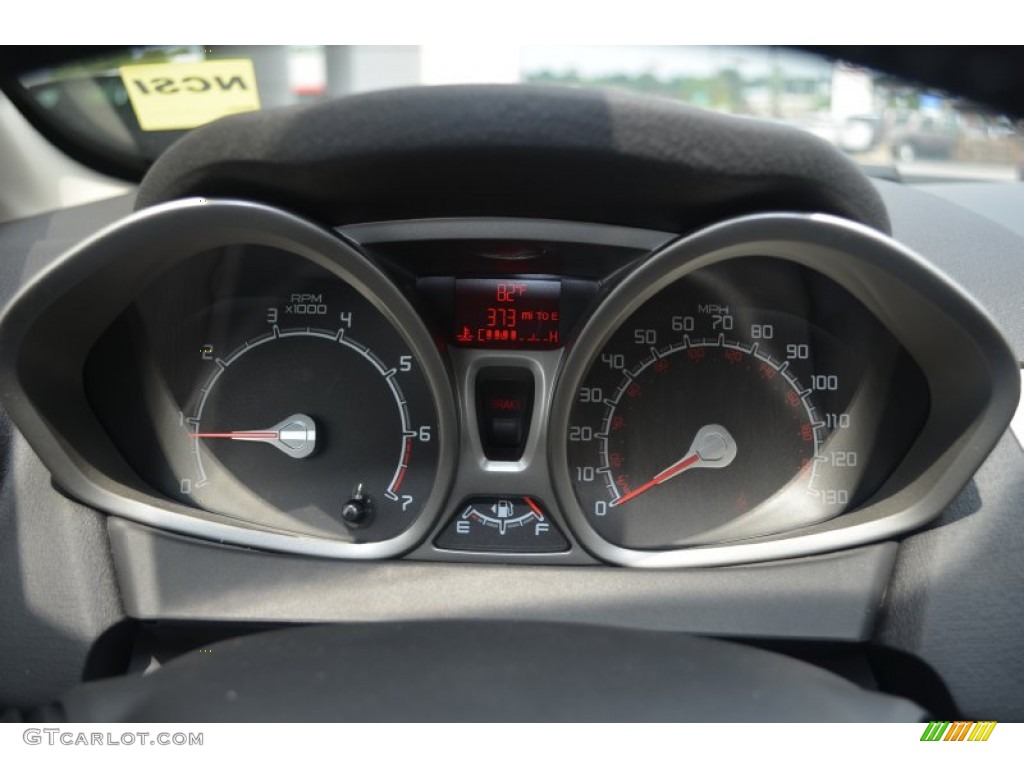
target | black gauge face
[
  {"x": 307, "y": 419},
  {"x": 721, "y": 411},
  {"x": 296, "y": 404},
  {"x": 712, "y": 421}
]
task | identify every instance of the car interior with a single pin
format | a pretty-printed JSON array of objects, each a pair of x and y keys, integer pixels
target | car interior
[{"x": 523, "y": 402}]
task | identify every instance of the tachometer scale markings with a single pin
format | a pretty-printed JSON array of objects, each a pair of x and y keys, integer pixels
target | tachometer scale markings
[
  {"x": 403, "y": 408},
  {"x": 396, "y": 481},
  {"x": 272, "y": 437}
]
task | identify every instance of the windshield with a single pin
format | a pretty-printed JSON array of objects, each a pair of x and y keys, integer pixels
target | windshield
[{"x": 132, "y": 105}]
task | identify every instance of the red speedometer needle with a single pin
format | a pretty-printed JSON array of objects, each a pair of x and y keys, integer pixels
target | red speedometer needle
[
  {"x": 295, "y": 436},
  {"x": 712, "y": 448}
]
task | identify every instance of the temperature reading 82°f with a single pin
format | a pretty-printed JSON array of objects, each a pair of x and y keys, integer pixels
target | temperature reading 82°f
[{"x": 507, "y": 313}]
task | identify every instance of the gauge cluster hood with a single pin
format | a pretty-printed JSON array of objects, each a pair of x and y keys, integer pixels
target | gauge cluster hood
[{"x": 513, "y": 150}]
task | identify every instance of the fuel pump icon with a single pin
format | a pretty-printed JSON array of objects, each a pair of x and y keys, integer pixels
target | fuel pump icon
[{"x": 503, "y": 509}]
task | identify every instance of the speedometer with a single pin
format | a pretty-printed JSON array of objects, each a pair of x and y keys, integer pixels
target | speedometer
[
  {"x": 727, "y": 397},
  {"x": 705, "y": 429}
]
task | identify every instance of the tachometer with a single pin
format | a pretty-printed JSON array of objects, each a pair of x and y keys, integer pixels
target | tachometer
[
  {"x": 300, "y": 407},
  {"x": 276, "y": 388},
  {"x": 317, "y": 424}
]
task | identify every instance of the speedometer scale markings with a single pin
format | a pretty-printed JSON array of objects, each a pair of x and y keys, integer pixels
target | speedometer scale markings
[
  {"x": 273, "y": 436},
  {"x": 693, "y": 435}
]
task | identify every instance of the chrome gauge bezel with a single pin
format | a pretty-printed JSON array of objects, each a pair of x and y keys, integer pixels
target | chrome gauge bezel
[
  {"x": 942, "y": 328},
  {"x": 105, "y": 274}
]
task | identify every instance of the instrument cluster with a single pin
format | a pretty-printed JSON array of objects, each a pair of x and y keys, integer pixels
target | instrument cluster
[{"x": 520, "y": 391}]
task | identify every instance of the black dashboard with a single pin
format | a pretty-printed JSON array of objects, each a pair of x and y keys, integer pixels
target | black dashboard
[{"x": 721, "y": 424}]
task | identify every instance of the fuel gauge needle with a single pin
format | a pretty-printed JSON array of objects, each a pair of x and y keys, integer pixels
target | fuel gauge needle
[
  {"x": 712, "y": 448},
  {"x": 294, "y": 436}
]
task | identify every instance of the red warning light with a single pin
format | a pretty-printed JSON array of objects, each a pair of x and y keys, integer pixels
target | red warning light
[{"x": 506, "y": 404}]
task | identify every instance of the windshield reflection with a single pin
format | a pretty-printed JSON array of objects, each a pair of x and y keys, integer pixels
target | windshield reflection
[{"x": 879, "y": 121}]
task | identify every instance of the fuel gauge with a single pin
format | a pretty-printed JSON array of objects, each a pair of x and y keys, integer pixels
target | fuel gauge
[{"x": 502, "y": 524}]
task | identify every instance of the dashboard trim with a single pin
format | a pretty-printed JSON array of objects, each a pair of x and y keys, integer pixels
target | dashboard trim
[
  {"x": 1017, "y": 425},
  {"x": 373, "y": 233},
  {"x": 830, "y": 597}
]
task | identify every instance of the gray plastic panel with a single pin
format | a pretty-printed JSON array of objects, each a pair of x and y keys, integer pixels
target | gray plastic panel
[
  {"x": 1001, "y": 203},
  {"x": 987, "y": 260},
  {"x": 58, "y": 592},
  {"x": 29, "y": 245},
  {"x": 955, "y": 600},
  {"x": 834, "y": 597}
]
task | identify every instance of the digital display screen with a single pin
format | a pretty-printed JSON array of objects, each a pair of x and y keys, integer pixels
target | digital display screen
[{"x": 500, "y": 313}]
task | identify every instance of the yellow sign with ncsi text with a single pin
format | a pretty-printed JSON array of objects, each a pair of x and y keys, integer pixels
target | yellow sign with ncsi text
[{"x": 182, "y": 95}]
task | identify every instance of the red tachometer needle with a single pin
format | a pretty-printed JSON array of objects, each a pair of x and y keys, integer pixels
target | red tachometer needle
[
  {"x": 237, "y": 435},
  {"x": 295, "y": 436},
  {"x": 712, "y": 448}
]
